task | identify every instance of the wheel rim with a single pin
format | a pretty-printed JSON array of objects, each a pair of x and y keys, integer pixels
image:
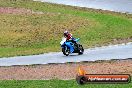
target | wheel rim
[
  {"x": 67, "y": 50},
  {"x": 81, "y": 49}
]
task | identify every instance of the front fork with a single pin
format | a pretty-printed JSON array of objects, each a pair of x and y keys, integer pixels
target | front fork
[{"x": 68, "y": 45}]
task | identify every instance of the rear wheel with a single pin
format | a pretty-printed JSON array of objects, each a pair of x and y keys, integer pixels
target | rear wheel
[
  {"x": 81, "y": 50},
  {"x": 66, "y": 51}
]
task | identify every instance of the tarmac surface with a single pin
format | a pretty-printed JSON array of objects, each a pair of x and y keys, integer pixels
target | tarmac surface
[
  {"x": 120, "y": 51},
  {"x": 124, "y": 6}
]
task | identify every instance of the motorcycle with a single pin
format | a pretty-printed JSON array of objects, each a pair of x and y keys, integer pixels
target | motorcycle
[{"x": 68, "y": 47}]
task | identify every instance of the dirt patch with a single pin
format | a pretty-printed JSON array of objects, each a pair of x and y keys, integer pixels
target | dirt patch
[
  {"x": 64, "y": 71},
  {"x": 12, "y": 10},
  {"x": 120, "y": 41}
]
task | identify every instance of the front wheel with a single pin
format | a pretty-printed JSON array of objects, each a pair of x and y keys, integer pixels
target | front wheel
[{"x": 66, "y": 51}]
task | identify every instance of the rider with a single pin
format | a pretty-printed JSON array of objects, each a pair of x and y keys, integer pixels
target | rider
[{"x": 69, "y": 37}]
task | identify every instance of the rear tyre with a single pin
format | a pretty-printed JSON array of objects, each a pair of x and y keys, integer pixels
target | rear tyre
[
  {"x": 81, "y": 50},
  {"x": 66, "y": 51}
]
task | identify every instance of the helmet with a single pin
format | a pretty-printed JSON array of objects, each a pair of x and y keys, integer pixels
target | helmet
[{"x": 66, "y": 33}]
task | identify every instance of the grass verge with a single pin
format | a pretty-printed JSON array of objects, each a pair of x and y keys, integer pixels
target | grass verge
[
  {"x": 28, "y": 34},
  {"x": 56, "y": 84}
]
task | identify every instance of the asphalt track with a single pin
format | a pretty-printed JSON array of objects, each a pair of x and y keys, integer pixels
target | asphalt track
[
  {"x": 124, "y": 6},
  {"x": 121, "y": 51}
]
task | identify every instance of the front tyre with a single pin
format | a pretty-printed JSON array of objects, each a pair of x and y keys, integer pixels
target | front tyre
[{"x": 66, "y": 51}]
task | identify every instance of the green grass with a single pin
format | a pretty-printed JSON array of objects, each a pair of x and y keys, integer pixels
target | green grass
[
  {"x": 40, "y": 33},
  {"x": 56, "y": 84}
]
